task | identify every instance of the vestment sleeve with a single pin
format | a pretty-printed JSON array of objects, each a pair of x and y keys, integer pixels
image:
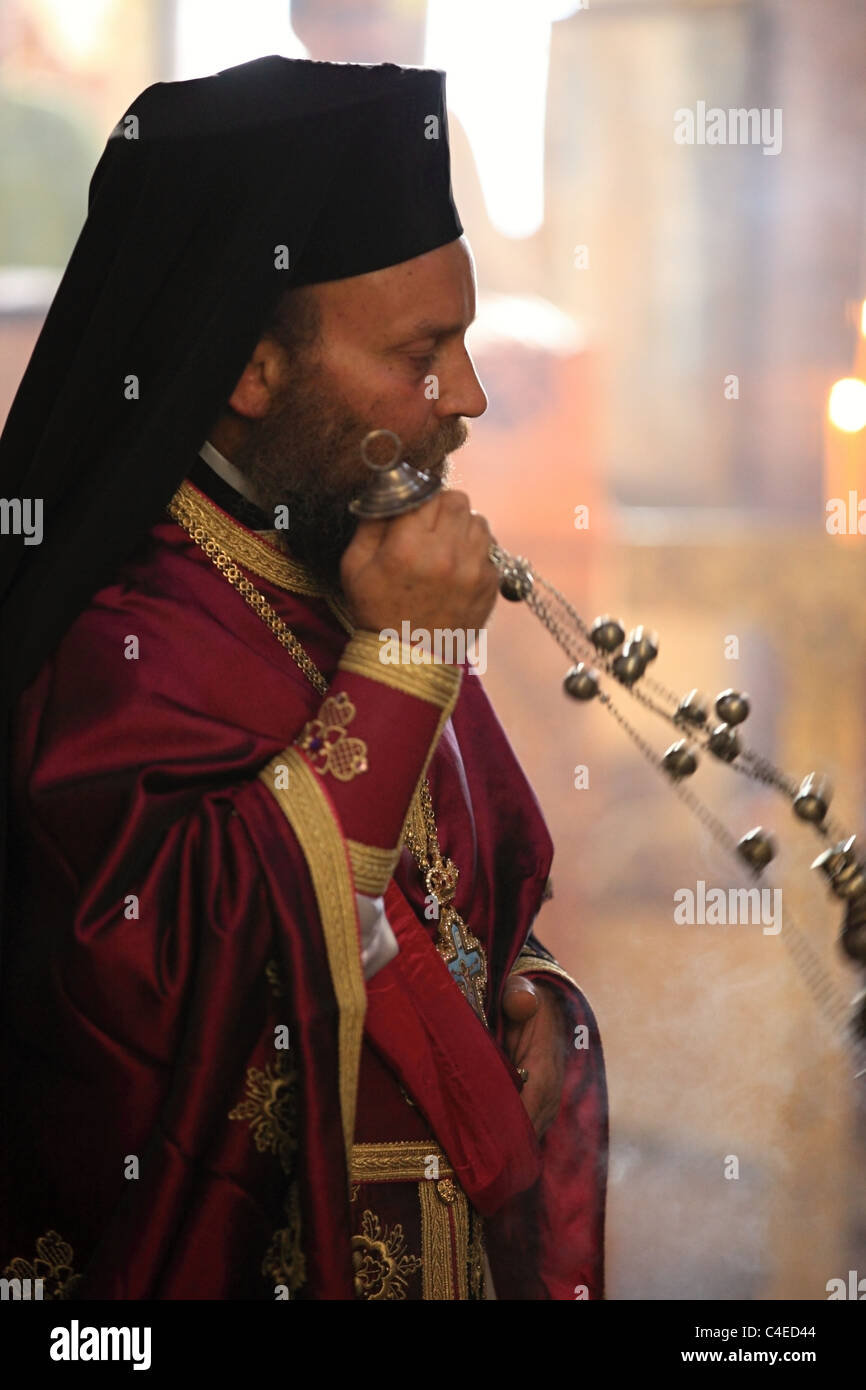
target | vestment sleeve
[{"x": 370, "y": 744}]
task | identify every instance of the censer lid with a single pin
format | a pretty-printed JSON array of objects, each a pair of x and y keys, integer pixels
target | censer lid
[{"x": 395, "y": 487}]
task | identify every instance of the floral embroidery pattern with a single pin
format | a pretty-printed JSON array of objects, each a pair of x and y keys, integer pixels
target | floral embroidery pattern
[
  {"x": 270, "y": 1109},
  {"x": 274, "y": 977},
  {"x": 380, "y": 1260},
  {"x": 284, "y": 1262},
  {"x": 52, "y": 1263},
  {"x": 327, "y": 744}
]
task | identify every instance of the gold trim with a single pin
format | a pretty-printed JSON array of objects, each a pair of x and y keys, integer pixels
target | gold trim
[
  {"x": 337, "y": 605},
  {"x": 372, "y": 868},
  {"x": 321, "y": 841},
  {"x": 404, "y": 1160},
  {"x": 526, "y": 963},
  {"x": 436, "y": 683},
  {"x": 436, "y": 1273},
  {"x": 442, "y": 1244},
  {"x": 247, "y": 548},
  {"x": 439, "y": 1201},
  {"x": 461, "y": 1234},
  {"x": 477, "y": 1255}
]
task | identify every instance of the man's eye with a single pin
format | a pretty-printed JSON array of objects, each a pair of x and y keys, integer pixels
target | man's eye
[{"x": 422, "y": 363}]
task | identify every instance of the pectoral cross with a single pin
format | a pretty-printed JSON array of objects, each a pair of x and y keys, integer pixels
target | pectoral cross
[{"x": 461, "y": 951}]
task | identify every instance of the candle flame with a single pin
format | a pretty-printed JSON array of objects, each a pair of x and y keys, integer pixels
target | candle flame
[{"x": 847, "y": 405}]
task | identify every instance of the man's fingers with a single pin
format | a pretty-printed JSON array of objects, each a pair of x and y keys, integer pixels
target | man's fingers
[
  {"x": 423, "y": 517},
  {"x": 520, "y": 999},
  {"x": 539, "y": 1105},
  {"x": 367, "y": 539}
]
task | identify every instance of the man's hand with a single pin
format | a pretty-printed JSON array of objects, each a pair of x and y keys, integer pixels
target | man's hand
[
  {"x": 534, "y": 1040},
  {"x": 430, "y": 568}
]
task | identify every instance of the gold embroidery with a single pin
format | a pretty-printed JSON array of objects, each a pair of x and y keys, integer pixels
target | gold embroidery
[
  {"x": 372, "y": 868},
  {"x": 326, "y": 743},
  {"x": 529, "y": 963},
  {"x": 323, "y": 847},
  {"x": 52, "y": 1264},
  {"x": 477, "y": 1288},
  {"x": 274, "y": 977},
  {"x": 457, "y": 945},
  {"x": 438, "y": 684},
  {"x": 435, "y": 1245},
  {"x": 404, "y": 1160},
  {"x": 284, "y": 1262},
  {"x": 268, "y": 560},
  {"x": 460, "y": 1211},
  {"x": 380, "y": 1261},
  {"x": 444, "y": 1221},
  {"x": 270, "y": 1108},
  {"x": 447, "y": 1238}
]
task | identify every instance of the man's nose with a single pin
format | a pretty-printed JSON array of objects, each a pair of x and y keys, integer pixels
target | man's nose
[{"x": 460, "y": 391}]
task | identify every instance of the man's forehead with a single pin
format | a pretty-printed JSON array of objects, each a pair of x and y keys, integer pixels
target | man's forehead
[
  {"x": 430, "y": 328},
  {"x": 430, "y": 296}
]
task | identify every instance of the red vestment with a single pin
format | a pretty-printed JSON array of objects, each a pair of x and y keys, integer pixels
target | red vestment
[{"x": 171, "y": 914}]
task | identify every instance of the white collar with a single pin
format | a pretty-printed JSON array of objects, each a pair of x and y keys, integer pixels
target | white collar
[{"x": 226, "y": 470}]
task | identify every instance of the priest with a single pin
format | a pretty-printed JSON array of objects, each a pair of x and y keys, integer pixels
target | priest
[{"x": 268, "y": 961}]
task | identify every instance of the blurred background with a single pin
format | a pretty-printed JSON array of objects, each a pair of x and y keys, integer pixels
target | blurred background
[{"x": 661, "y": 327}]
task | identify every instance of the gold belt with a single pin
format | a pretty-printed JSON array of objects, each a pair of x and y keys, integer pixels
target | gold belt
[
  {"x": 451, "y": 1236},
  {"x": 410, "y": 1160}
]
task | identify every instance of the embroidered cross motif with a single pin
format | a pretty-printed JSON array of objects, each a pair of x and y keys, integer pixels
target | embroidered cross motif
[
  {"x": 327, "y": 744},
  {"x": 460, "y": 950},
  {"x": 465, "y": 962}
]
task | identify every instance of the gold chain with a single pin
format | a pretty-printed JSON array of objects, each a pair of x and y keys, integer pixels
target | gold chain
[
  {"x": 248, "y": 591},
  {"x": 424, "y": 852},
  {"x": 440, "y": 875}
]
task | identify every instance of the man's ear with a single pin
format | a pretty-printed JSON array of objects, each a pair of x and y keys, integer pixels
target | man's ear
[{"x": 260, "y": 380}]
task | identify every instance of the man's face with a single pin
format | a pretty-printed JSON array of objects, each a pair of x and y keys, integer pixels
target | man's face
[{"x": 390, "y": 355}]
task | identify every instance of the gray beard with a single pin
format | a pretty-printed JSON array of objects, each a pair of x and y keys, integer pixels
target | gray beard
[
  {"x": 320, "y": 529},
  {"x": 306, "y": 456}
]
